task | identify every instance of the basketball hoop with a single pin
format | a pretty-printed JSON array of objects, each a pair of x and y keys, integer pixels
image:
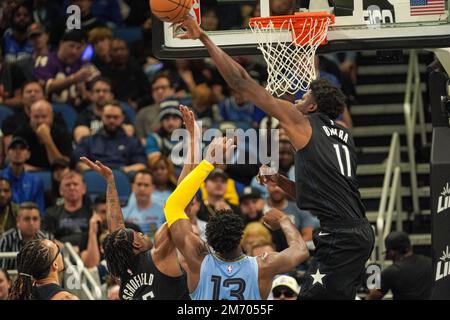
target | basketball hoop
[{"x": 290, "y": 59}]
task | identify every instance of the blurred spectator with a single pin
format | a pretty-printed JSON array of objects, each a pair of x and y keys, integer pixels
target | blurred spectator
[
  {"x": 147, "y": 118},
  {"x": 101, "y": 39},
  {"x": 130, "y": 84},
  {"x": 145, "y": 213},
  {"x": 111, "y": 145},
  {"x": 160, "y": 142},
  {"x": 139, "y": 12},
  {"x": 47, "y": 139},
  {"x": 69, "y": 222},
  {"x": 262, "y": 247},
  {"x": 63, "y": 72},
  {"x": 210, "y": 20},
  {"x": 303, "y": 220},
  {"x": 253, "y": 232},
  {"x": 91, "y": 246},
  {"x": 90, "y": 121},
  {"x": 59, "y": 168},
  {"x": 88, "y": 20},
  {"x": 28, "y": 227},
  {"x": 282, "y": 7},
  {"x": 26, "y": 186},
  {"x": 8, "y": 209},
  {"x": 48, "y": 13},
  {"x": 215, "y": 187},
  {"x": 15, "y": 42},
  {"x": 285, "y": 288},
  {"x": 109, "y": 11},
  {"x": 240, "y": 111},
  {"x": 410, "y": 277},
  {"x": 10, "y": 78},
  {"x": 164, "y": 178},
  {"x": 5, "y": 284},
  {"x": 204, "y": 105},
  {"x": 251, "y": 204}
]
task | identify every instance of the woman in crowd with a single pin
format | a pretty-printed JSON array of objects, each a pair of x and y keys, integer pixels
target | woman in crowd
[{"x": 5, "y": 284}]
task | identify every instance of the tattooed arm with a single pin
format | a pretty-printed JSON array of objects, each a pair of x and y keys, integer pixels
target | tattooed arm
[{"x": 114, "y": 215}]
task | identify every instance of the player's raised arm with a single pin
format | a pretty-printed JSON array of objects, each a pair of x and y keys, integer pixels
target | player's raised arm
[
  {"x": 114, "y": 215},
  {"x": 286, "y": 260},
  {"x": 239, "y": 80},
  {"x": 186, "y": 241}
]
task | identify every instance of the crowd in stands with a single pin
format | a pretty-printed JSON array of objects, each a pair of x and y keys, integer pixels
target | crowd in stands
[{"x": 99, "y": 92}]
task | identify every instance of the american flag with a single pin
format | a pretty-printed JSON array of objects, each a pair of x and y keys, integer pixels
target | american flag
[{"x": 427, "y": 7}]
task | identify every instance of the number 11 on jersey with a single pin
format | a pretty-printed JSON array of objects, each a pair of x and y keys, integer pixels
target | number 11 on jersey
[{"x": 346, "y": 156}]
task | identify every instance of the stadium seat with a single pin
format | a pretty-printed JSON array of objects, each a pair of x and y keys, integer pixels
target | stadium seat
[
  {"x": 129, "y": 112},
  {"x": 96, "y": 184},
  {"x": 67, "y": 112},
  {"x": 46, "y": 177},
  {"x": 5, "y": 112}
]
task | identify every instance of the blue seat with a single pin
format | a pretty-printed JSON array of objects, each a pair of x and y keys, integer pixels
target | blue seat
[
  {"x": 5, "y": 112},
  {"x": 129, "y": 112},
  {"x": 67, "y": 112},
  {"x": 46, "y": 177},
  {"x": 96, "y": 184}
]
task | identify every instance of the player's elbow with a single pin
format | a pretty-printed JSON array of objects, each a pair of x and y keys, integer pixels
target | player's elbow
[{"x": 300, "y": 254}]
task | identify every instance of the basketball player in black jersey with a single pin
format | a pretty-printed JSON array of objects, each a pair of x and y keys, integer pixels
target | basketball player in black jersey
[
  {"x": 38, "y": 265},
  {"x": 325, "y": 163},
  {"x": 146, "y": 272}
]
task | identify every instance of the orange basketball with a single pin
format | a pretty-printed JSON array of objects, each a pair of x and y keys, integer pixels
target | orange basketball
[{"x": 171, "y": 10}]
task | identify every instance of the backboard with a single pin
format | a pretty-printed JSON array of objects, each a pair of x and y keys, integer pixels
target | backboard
[{"x": 359, "y": 25}]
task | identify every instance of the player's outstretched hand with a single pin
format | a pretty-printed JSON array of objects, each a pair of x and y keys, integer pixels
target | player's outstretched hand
[
  {"x": 191, "y": 26},
  {"x": 273, "y": 218},
  {"x": 220, "y": 150},
  {"x": 190, "y": 123},
  {"x": 267, "y": 176},
  {"x": 100, "y": 168}
]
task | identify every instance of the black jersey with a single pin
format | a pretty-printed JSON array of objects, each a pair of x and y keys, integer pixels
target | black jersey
[
  {"x": 47, "y": 291},
  {"x": 148, "y": 283},
  {"x": 325, "y": 173}
]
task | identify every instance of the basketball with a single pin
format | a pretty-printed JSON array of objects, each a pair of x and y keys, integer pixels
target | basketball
[{"x": 171, "y": 10}]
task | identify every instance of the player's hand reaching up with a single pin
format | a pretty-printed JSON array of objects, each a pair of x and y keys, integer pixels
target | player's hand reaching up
[
  {"x": 220, "y": 150},
  {"x": 190, "y": 123},
  {"x": 100, "y": 168},
  {"x": 191, "y": 26},
  {"x": 273, "y": 218}
]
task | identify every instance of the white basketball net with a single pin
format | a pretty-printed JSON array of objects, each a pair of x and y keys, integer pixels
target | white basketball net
[{"x": 290, "y": 65}]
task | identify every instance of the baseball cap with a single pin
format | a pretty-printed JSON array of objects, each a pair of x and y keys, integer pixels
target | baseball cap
[
  {"x": 34, "y": 29},
  {"x": 18, "y": 140},
  {"x": 286, "y": 281},
  {"x": 397, "y": 240},
  {"x": 250, "y": 193},
  {"x": 216, "y": 173},
  {"x": 74, "y": 35},
  {"x": 170, "y": 107}
]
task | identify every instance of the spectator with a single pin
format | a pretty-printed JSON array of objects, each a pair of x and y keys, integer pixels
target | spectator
[
  {"x": 88, "y": 20},
  {"x": 282, "y": 7},
  {"x": 91, "y": 250},
  {"x": 130, "y": 84},
  {"x": 11, "y": 78},
  {"x": 285, "y": 288},
  {"x": 160, "y": 142},
  {"x": 48, "y": 13},
  {"x": 147, "y": 118},
  {"x": 60, "y": 167},
  {"x": 111, "y": 145},
  {"x": 243, "y": 113},
  {"x": 145, "y": 213},
  {"x": 26, "y": 186},
  {"x": 5, "y": 284},
  {"x": 262, "y": 247},
  {"x": 210, "y": 20},
  {"x": 15, "y": 43},
  {"x": 303, "y": 220},
  {"x": 47, "y": 139},
  {"x": 252, "y": 205},
  {"x": 254, "y": 232},
  {"x": 69, "y": 222},
  {"x": 28, "y": 227},
  {"x": 215, "y": 187},
  {"x": 90, "y": 121},
  {"x": 8, "y": 209},
  {"x": 410, "y": 277},
  {"x": 101, "y": 38},
  {"x": 63, "y": 72},
  {"x": 164, "y": 179},
  {"x": 204, "y": 105}
]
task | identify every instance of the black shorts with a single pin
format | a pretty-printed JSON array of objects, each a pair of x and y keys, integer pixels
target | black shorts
[{"x": 338, "y": 264}]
